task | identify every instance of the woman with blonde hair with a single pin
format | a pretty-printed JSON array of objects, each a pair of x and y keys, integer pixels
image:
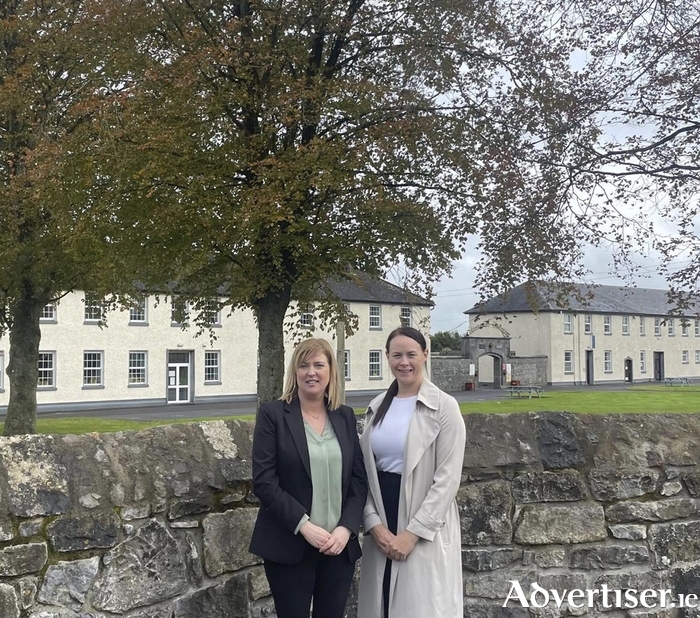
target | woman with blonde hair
[{"x": 310, "y": 478}]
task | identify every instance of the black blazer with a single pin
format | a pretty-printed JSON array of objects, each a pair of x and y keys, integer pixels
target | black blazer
[{"x": 282, "y": 480}]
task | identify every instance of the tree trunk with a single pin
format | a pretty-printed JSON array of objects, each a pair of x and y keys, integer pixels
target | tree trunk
[
  {"x": 22, "y": 368},
  {"x": 270, "y": 311}
]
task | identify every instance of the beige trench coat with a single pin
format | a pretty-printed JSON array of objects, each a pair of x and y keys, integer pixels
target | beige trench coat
[{"x": 429, "y": 583}]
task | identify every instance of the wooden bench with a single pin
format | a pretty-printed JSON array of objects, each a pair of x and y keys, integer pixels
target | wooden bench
[
  {"x": 678, "y": 381},
  {"x": 530, "y": 390}
]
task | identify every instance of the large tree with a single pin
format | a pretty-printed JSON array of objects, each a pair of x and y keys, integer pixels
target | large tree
[
  {"x": 49, "y": 241},
  {"x": 271, "y": 145}
]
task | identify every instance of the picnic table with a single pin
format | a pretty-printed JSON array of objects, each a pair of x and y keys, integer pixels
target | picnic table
[
  {"x": 530, "y": 389},
  {"x": 678, "y": 381}
]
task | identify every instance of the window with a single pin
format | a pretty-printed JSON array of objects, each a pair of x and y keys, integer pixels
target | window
[
  {"x": 607, "y": 325},
  {"x": 179, "y": 312},
  {"x": 684, "y": 329},
  {"x": 137, "y": 368},
  {"x": 686, "y": 357},
  {"x": 47, "y": 370},
  {"x": 212, "y": 366},
  {"x": 625, "y": 325},
  {"x": 92, "y": 368},
  {"x": 2, "y": 371},
  {"x": 657, "y": 327},
  {"x": 671, "y": 327},
  {"x": 210, "y": 314},
  {"x": 642, "y": 326},
  {"x": 375, "y": 363},
  {"x": 568, "y": 361},
  {"x": 346, "y": 364},
  {"x": 568, "y": 326},
  {"x": 587, "y": 324},
  {"x": 93, "y": 308},
  {"x": 307, "y": 318},
  {"x": 643, "y": 361},
  {"x": 48, "y": 313},
  {"x": 137, "y": 312},
  {"x": 405, "y": 317},
  {"x": 697, "y": 357},
  {"x": 375, "y": 316},
  {"x": 697, "y": 328},
  {"x": 608, "y": 361}
]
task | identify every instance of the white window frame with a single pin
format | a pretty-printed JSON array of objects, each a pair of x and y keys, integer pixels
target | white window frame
[
  {"x": 306, "y": 319},
  {"x": 375, "y": 365},
  {"x": 587, "y": 324},
  {"x": 642, "y": 361},
  {"x": 406, "y": 316},
  {"x": 697, "y": 328},
  {"x": 92, "y": 310},
  {"x": 346, "y": 364},
  {"x": 625, "y": 325},
  {"x": 375, "y": 317},
  {"x": 48, "y": 313},
  {"x": 607, "y": 361},
  {"x": 93, "y": 374},
  {"x": 685, "y": 331},
  {"x": 685, "y": 357},
  {"x": 607, "y": 325},
  {"x": 210, "y": 313},
  {"x": 48, "y": 371},
  {"x": 697, "y": 357},
  {"x": 2, "y": 371},
  {"x": 175, "y": 305},
  {"x": 642, "y": 326},
  {"x": 138, "y": 311},
  {"x": 138, "y": 369},
  {"x": 568, "y": 324},
  {"x": 671, "y": 327},
  {"x": 568, "y": 361},
  {"x": 212, "y": 370},
  {"x": 657, "y": 327}
]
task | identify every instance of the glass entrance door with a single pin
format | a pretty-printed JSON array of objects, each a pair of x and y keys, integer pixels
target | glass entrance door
[{"x": 179, "y": 377}]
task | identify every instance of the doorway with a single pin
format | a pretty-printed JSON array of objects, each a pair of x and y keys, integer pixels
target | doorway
[
  {"x": 589, "y": 367},
  {"x": 179, "y": 377},
  {"x": 628, "y": 371},
  {"x": 659, "y": 366}
]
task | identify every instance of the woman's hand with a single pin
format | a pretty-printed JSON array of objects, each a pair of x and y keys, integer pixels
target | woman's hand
[
  {"x": 336, "y": 542},
  {"x": 382, "y": 538},
  {"x": 314, "y": 535},
  {"x": 402, "y": 545}
]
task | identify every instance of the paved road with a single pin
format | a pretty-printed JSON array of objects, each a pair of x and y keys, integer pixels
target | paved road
[{"x": 203, "y": 410}]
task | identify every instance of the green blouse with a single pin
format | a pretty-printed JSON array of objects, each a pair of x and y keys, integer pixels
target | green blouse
[{"x": 326, "y": 476}]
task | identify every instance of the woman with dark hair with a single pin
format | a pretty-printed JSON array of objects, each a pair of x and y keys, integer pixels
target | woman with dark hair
[
  {"x": 309, "y": 476},
  {"x": 413, "y": 446}
]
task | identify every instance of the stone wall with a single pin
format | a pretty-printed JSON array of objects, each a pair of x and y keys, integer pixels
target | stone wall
[
  {"x": 155, "y": 524},
  {"x": 449, "y": 372}
]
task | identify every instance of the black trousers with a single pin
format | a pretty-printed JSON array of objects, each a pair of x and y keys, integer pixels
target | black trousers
[
  {"x": 325, "y": 579},
  {"x": 390, "y": 485}
]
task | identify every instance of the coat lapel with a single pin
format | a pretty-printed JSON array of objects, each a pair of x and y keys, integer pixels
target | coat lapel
[
  {"x": 371, "y": 466},
  {"x": 341, "y": 432},
  {"x": 295, "y": 424},
  {"x": 424, "y": 427}
]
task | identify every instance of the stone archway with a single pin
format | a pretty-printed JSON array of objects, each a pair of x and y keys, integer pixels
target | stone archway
[{"x": 490, "y": 370}]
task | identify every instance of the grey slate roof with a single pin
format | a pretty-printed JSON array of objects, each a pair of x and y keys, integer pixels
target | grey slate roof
[
  {"x": 364, "y": 288},
  {"x": 609, "y": 299}
]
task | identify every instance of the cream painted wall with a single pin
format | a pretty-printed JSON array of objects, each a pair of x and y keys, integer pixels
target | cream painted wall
[{"x": 236, "y": 339}]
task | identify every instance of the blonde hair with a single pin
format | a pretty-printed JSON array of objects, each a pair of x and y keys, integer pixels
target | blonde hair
[{"x": 303, "y": 352}]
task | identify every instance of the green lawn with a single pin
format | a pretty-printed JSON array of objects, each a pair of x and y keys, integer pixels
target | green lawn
[{"x": 648, "y": 399}]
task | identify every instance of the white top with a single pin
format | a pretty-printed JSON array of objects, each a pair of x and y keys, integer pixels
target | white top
[{"x": 389, "y": 438}]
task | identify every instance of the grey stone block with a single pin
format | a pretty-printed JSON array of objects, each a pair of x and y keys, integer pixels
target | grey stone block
[
  {"x": 100, "y": 530},
  {"x": 564, "y": 486},
  {"x": 558, "y": 442},
  {"x": 226, "y": 539},
  {"x": 222, "y": 601},
  {"x": 657, "y": 510},
  {"x": 608, "y": 556},
  {"x": 675, "y": 542},
  {"x": 9, "y": 602},
  {"x": 66, "y": 584},
  {"x": 485, "y": 512},
  {"x": 543, "y": 524},
  {"x": 147, "y": 568},
  {"x": 23, "y": 559},
  {"x": 490, "y": 559},
  {"x": 610, "y": 485},
  {"x": 630, "y": 532}
]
